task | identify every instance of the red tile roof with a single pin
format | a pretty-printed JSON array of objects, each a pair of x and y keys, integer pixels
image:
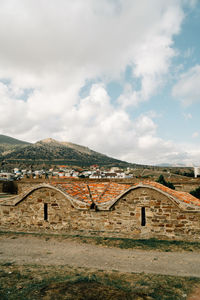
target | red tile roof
[
  {"x": 93, "y": 192},
  {"x": 79, "y": 191},
  {"x": 105, "y": 192},
  {"x": 181, "y": 196}
]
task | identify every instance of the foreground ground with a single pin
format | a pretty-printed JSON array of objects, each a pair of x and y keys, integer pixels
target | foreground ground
[{"x": 59, "y": 267}]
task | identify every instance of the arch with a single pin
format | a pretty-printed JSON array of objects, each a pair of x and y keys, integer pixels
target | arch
[
  {"x": 184, "y": 201},
  {"x": 176, "y": 199},
  {"x": 76, "y": 203}
]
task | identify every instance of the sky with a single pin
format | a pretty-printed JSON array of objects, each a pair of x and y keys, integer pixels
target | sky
[{"x": 121, "y": 77}]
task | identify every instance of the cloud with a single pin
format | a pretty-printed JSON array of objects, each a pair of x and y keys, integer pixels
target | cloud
[
  {"x": 52, "y": 45},
  {"x": 152, "y": 58},
  {"x": 51, "y": 50},
  {"x": 192, "y": 3},
  {"x": 187, "y": 116},
  {"x": 195, "y": 134},
  {"x": 187, "y": 89}
]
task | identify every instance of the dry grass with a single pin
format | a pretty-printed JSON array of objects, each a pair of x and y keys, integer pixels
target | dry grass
[
  {"x": 123, "y": 243},
  {"x": 63, "y": 282},
  {"x": 143, "y": 244}
]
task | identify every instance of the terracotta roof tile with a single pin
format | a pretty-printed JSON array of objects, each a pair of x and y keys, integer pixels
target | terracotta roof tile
[
  {"x": 104, "y": 191},
  {"x": 97, "y": 192},
  {"x": 182, "y": 196},
  {"x": 108, "y": 191}
]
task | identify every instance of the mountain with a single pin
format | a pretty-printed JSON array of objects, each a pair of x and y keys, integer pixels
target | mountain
[
  {"x": 52, "y": 152},
  {"x": 7, "y": 140},
  {"x": 164, "y": 165},
  {"x": 8, "y": 144},
  {"x": 173, "y": 165}
]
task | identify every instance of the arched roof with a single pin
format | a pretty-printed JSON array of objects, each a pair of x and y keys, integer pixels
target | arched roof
[
  {"x": 184, "y": 200},
  {"x": 15, "y": 200},
  {"x": 105, "y": 195}
]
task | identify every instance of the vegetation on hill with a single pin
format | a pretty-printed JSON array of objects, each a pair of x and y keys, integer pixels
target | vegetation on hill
[
  {"x": 51, "y": 152},
  {"x": 9, "y": 144},
  {"x": 162, "y": 180},
  {"x": 189, "y": 173},
  {"x": 4, "y": 139}
]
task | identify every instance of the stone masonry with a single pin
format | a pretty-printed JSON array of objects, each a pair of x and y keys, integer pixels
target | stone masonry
[{"x": 143, "y": 211}]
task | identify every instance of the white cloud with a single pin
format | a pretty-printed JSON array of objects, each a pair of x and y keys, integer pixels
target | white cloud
[
  {"x": 144, "y": 124},
  {"x": 187, "y": 89},
  {"x": 195, "y": 134},
  {"x": 187, "y": 116},
  {"x": 192, "y": 3},
  {"x": 153, "y": 56},
  {"x": 52, "y": 49},
  {"x": 58, "y": 44}
]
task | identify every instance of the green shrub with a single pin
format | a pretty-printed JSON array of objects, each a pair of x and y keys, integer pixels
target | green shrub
[
  {"x": 162, "y": 180},
  {"x": 196, "y": 193}
]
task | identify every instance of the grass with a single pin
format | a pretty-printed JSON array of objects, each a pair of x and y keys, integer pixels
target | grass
[
  {"x": 123, "y": 243},
  {"x": 64, "y": 282}
]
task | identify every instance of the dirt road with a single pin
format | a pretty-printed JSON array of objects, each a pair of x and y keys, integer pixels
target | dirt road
[{"x": 29, "y": 249}]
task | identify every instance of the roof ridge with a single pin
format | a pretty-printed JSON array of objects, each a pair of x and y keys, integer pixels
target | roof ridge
[
  {"x": 90, "y": 194},
  {"x": 104, "y": 191}
]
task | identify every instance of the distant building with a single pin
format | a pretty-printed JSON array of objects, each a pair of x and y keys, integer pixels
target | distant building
[
  {"x": 115, "y": 169},
  {"x": 96, "y": 175},
  {"x": 196, "y": 172},
  {"x": 6, "y": 176},
  {"x": 111, "y": 175}
]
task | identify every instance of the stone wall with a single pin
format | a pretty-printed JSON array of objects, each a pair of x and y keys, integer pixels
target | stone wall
[
  {"x": 187, "y": 187},
  {"x": 163, "y": 218}
]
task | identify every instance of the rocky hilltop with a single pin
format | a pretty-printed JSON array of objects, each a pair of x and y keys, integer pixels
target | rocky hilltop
[{"x": 52, "y": 152}]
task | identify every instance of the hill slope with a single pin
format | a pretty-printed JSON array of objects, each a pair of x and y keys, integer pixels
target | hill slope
[
  {"x": 50, "y": 151},
  {"x": 8, "y": 144},
  {"x": 4, "y": 139}
]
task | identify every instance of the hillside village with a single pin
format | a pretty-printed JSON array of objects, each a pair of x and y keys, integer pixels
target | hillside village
[
  {"x": 49, "y": 158},
  {"x": 93, "y": 172},
  {"x": 65, "y": 172}
]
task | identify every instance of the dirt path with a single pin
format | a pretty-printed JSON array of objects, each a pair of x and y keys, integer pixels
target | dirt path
[{"x": 43, "y": 251}]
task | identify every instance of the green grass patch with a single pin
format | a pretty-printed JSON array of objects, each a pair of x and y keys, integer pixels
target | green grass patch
[
  {"x": 144, "y": 244},
  {"x": 63, "y": 282},
  {"x": 123, "y": 243}
]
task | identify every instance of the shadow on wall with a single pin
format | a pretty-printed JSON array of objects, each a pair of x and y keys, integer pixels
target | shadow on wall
[{"x": 9, "y": 187}]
